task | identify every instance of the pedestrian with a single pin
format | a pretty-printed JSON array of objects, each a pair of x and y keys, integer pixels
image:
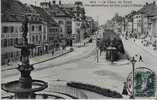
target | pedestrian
[
  {"x": 52, "y": 52},
  {"x": 8, "y": 62},
  {"x": 84, "y": 43},
  {"x": 125, "y": 92},
  {"x": 140, "y": 59}
]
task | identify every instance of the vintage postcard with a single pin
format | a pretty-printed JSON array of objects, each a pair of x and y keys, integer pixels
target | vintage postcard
[{"x": 79, "y": 49}]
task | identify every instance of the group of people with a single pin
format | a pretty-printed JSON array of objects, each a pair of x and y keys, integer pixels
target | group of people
[{"x": 140, "y": 58}]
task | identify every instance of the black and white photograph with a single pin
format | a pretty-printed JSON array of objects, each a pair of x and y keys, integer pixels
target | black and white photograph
[{"x": 79, "y": 49}]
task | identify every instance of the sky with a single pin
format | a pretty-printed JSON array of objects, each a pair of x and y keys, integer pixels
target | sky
[{"x": 101, "y": 13}]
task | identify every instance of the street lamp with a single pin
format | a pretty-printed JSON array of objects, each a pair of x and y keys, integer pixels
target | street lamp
[
  {"x": 97, "y": 46},
  {"x": 97, "y": 49},
  {"x": 133, "y": 61}
]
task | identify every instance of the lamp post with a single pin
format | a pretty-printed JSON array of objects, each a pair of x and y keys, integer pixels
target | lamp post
[
  {"x": 133, "y": 61},
  {"x": 97, "y": 50}
]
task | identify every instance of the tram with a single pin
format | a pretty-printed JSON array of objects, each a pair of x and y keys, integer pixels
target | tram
[{"x": 112, "y": 44}]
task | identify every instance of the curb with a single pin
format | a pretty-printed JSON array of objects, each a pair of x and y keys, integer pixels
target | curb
[
  {"x": 71, "y": 50},
  {"x": 96, "y": 89},
  {"x": 54, "y": 57}
]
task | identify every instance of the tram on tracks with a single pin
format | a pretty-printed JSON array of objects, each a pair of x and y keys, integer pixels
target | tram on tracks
[{"x": 112, "y": 44}]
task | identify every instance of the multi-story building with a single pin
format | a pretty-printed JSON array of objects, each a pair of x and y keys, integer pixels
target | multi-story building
[
  {"x": 52, "y": 29},
  {"x": 37, "y": 33},
  {"x": 128, "y": 23},
  {"x": 63, "y": 19},
  {"x": 12, "y": 18},
  {"x": 79, "y": 25},
  {"x": 11, "y": 34},
  {"x": 90, "y": 21},
  {"x": 142, "y": 21},
  {"x": 138, "y": 23},
  {"x": 154, "y": 26},
  {"x": 11, "y": 23}
]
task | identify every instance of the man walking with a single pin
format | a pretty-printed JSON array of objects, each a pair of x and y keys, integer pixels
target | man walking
[
  {"x": 8, "y": 62},
  {"x": 52, "y": 52},
  {"x": 140, "y": 59}
]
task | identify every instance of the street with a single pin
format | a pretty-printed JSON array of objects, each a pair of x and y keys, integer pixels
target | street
[
  {"x": 67, "y": 50},
  {"x": 81, "y": 66}
]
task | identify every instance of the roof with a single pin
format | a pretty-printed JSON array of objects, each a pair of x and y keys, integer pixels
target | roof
[
  {"x": 56, "y": 11},
  {"x": 130, "y": 15},
  {"x": 14, "y": 11},
  {"x": 149, "y": 9},
  {"x": 78, "y": 3},
  {"x": 70, "y": 6},
  {"x": 45, "y": 16},
  {"x": 69, "y": 12}
]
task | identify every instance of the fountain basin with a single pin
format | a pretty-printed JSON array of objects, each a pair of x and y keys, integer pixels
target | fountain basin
[{"x": 13, "y": 86}]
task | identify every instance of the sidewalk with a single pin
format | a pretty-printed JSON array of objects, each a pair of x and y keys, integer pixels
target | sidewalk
[
  {"x": 148, "y": 48},
  {"x": 42, "y": 58},
  {"x": 37, "y": 59}
]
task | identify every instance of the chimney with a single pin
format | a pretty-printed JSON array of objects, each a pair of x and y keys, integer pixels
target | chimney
[
  {"x": 146, "y": 3},
  {"x": 54, "y": 2},
  {"x": 60, "y": 2}
]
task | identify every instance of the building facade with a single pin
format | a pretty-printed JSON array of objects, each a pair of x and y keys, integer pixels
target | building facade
[
  {"x": 11, "y": 34},
  {"x": 62, "y": 18}
]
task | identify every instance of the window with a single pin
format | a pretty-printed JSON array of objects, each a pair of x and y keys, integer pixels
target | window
[
  {"x": 11, "y": 54},
  {"x": 78, "y": 24},
  {"x": 5, "y": 29},
  {"x": 30, "y": 38},
  {"x": 35, "y": 18},
  {"x": 40, "y": 28},
  {"x": 11, "y": 42},
  {"x": 20, "y": 29},
  {"x": 2, "y": 43},
  {"x": 44, "y": 37},
  {"x": 44, "y": 29},
  {"x": 11, "y": 29},
  {"x": 16, "y": 40},
  {"x": 16, "y": 29},
  {"x": 60, "y": 29},
  {"x": 32, "y": 27},
  {"x": 68, "y": 22},
  {"x": 40, "y": 37},
  {"x": 60, "y": 22},
  {"x": 37, "y": 38},
  {"x": 33, "y": 38},
  {"x": 20, "y": 40}
]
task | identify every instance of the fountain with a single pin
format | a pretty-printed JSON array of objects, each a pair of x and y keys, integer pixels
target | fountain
[{"x": 25, "y": 87}]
